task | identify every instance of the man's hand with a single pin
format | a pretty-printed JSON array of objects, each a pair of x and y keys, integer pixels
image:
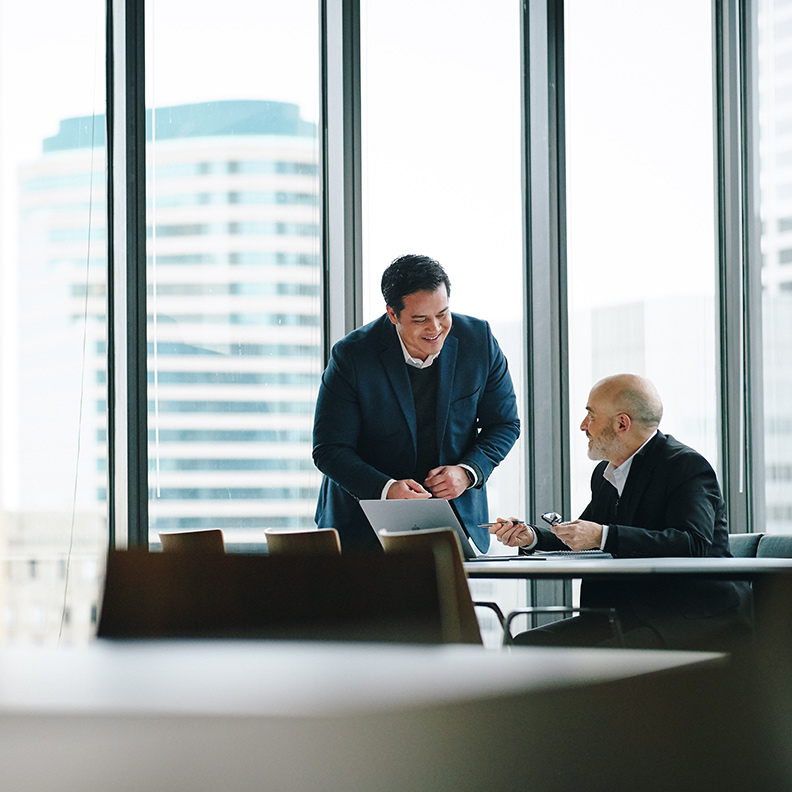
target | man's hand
[
  {"x": 405, "y": 489},
  {"x": 512, "y": 532},
  {"x": 447, "y": 482},
  {"x": 579, "y": 534}
]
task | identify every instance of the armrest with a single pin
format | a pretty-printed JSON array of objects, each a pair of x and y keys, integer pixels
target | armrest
[
  {"x": 493, "y": 606},
  {"x": 613, "y": 618}
]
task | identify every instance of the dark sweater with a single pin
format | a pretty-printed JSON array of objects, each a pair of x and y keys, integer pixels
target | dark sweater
[{"x": 424, "y": 388}]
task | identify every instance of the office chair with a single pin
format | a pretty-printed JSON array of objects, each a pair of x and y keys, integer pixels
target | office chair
[
  {"x": 744, "y": 545},
  {"x": 463, "y": 626},
  {"x": 566, "y": 610},
  {"x": 360, "y": 597},
  {"x": 774, "y": 546},
  {"x": 206, "y": 541},
  {"x": 319, "y": 541}
]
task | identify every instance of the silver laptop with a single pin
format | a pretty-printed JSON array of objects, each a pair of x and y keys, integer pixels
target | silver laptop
[{"x": 415, "y": 515}]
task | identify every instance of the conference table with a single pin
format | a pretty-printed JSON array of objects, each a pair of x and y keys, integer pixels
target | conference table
[
  {"x": 571, "y": 566},
  {"x": 561, "y": 566},
  {"x": 253, "y": 715}
]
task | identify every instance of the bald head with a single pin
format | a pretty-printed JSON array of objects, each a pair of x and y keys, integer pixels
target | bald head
[
  {"x": 623, "y": 411},
  {"x": 636, "y": 396}
]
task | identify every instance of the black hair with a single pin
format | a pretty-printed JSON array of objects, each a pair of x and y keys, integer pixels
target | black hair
[{"x": 410, "y": 274}]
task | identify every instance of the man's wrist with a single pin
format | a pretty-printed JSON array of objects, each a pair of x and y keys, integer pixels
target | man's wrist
[
  {"x": 531, "y": 546},
  {"x": 472, "y": 472},
  {"x": 471, "y": 476}
]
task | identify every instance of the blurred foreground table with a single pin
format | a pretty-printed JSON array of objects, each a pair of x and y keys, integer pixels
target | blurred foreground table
[{"x": 253, "y": 715}]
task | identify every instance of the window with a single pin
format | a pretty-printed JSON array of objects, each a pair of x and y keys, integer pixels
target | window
[
  {"x": 52, "y": 315},
  {"x": 233, "y": 257},
  {"x": 640, "y": 212},
  {"x": 774, "y": 65},
  {"x": 442, "y": 167},
  {"x": 233, "y": 272},
  {"x": 441, "y": 136}
]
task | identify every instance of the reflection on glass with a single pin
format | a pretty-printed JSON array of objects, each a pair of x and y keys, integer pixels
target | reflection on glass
[
  {"x": 442, "y": 170},
  {"x": 775, "y": 147},
  {"x": 640, "y": 212},
  {"x": 53, "y": 526},
  {"x": 233, "y": 266}
]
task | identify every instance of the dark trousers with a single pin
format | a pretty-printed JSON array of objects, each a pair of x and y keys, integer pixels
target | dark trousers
[{"x": 592, "y": 629}]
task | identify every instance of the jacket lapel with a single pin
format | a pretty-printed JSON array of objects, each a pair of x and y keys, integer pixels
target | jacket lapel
[
  {"x": 638, "y": 479},
  {"x": 392, "y": 359}
]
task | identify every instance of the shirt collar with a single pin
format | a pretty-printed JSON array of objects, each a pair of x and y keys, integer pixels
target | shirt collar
[
  {"x": 618, "y": 475},
  {"x": 415, "y": 362}
]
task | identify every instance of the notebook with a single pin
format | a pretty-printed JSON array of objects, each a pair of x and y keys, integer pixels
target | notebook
[{"x": 417, "y": 514}]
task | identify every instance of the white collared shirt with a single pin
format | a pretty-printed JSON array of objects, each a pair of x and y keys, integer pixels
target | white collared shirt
[
  {"x": 416, "y": 362},
  {"x": 618, "y": 475}
]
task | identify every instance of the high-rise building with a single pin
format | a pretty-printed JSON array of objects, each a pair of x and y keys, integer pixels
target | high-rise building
[
  {"x": 233, "y": 304},
  {"x": 234, "y": 336}
]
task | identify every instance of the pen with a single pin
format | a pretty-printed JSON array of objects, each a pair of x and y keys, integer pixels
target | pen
[{"x": 491, "y": 525}]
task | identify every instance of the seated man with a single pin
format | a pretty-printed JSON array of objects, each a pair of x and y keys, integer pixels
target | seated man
[{"x": 651, "y": 496}]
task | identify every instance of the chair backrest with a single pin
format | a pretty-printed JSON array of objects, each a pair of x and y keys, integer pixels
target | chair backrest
[
  {"x": 311, "y": 542},
  {"x": 201, "y": 595},
  {"x": 744, "y": 545},
  {"x": 775, "y": 546},
  {"x": 462, "y": 624},
  {"x": 206, "y": 541}
]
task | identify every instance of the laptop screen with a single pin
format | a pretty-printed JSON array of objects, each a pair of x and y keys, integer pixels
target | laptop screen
[{"x": 415, "y": 515}]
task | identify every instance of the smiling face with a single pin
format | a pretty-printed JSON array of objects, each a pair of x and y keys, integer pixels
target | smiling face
[{"x": 424, "y": 322}]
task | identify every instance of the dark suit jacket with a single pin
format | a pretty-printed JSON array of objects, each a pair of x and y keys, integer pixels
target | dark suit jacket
[
  {"x": 365, "y": 429},
  {"x": 671, "y": 506}
]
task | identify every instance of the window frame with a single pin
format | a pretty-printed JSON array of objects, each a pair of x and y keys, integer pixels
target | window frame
[
  {"x": 741, "y": 419},
  {"x": 546, "y": 417}
]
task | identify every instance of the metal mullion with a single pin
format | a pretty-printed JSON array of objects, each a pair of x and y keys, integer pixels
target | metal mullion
[
  {"x": 752, "y": 274},
  {"x": 127, "y": 341},
  {"x": 341, "y": 158},
  {"x": 112, "y": 493},
  {"x": 547, "y": 408},
  {"x": 739, "y": 278}
]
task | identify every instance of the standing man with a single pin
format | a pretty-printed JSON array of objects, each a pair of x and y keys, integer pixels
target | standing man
[
  {"x": 651, "y": 496},
  {"x": 416, "y": 404}
]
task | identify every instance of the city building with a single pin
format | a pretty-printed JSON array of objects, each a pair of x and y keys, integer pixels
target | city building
[{"x": 234, "y": 338}]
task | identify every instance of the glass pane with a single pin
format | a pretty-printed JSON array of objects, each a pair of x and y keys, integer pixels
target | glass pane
[
  {"x": 442, "y": 167},
  {"x": 233, "y": 265},
  {"x": 775, "y": 147},
  {"x": 53, "y": 517},
  {"x": 442, "y": 170},
  {"x": 640, "y": 212}
]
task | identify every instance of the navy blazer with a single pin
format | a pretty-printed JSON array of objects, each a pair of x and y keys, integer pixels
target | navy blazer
[
  {"x": 365, "y": 429},
  {"x": 671, "y": 506}
]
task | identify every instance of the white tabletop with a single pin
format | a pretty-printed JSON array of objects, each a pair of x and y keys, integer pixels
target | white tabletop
[
  {"x": 571, "y": 567},
  {"x": 294, "y": 679},
  {"x": 297, "y": 717}
]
